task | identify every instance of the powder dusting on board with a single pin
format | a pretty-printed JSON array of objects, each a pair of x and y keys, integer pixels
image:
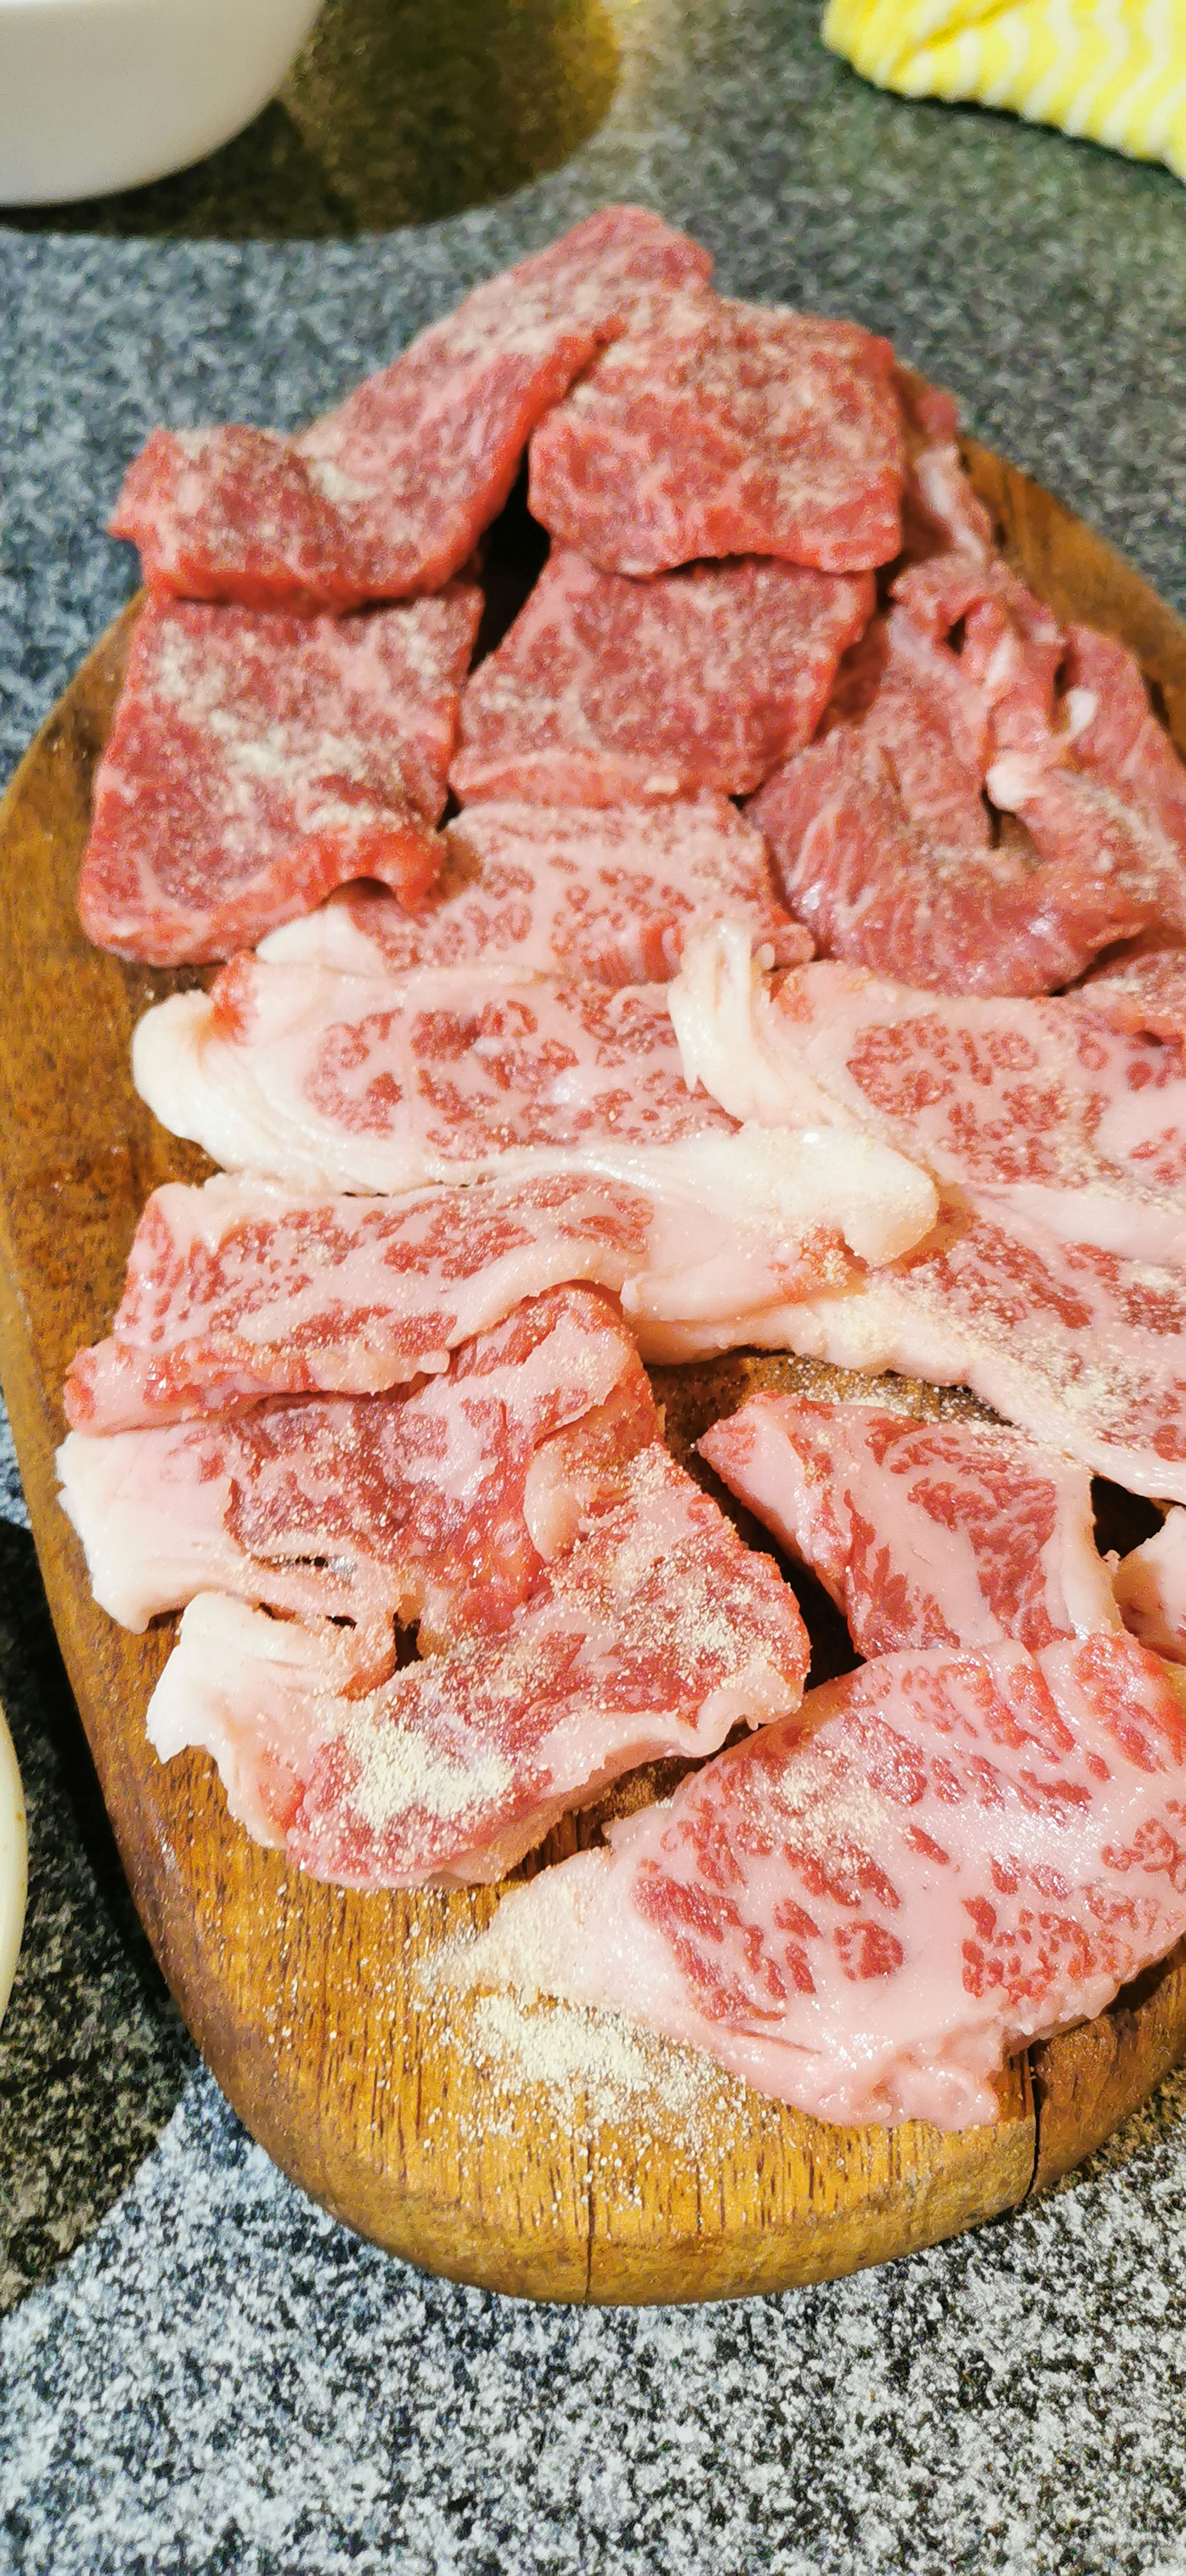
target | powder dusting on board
[{"x": 596, "y": 2068}]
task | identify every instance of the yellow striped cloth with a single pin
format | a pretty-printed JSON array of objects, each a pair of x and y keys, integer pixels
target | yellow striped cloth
[{"x": 1111, "y": 69}]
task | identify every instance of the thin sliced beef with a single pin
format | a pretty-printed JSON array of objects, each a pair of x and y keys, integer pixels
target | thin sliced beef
[
  {"x": 1079, "y": 1347},
  {"x": 1035, "y": 1109},
  {"x": 1054, "y": 1284},
  {"x": 953, "y": 1533},
  {"x": 651, "y": 1631},
  {"x": 410, "y": 1506},
  {"x": 727, "y": 429},
  {"x": 331, "y": 1080},
  {"x": 257, "y": 760},
  {"x": 348, "y": 510},
  {"x": 864, "y": 1910},
  {"x": 602, "y": 893},
  {"x": 238, "y": 1290},
  {"x": 608, "y": 689}
]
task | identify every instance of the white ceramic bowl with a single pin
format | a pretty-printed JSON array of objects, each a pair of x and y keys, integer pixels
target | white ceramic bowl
[{"x": 99, "y": 94}]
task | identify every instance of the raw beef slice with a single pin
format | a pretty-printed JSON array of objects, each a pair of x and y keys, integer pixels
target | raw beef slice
[
  {"x": 1040, "y": 1109},
  {"x": 342, "y": 1081},
  {"x": 952, "y": 1533},
  {"x": 386, "y": 496},
  {"x": 993, "y": 802},
  {"x": 1143, "y": 992},
  {"x": 940, "y": 510},
  {"x": 603, "y": 893},
  {"x": 1053, "y": 1283},
  {"x": 727, "y": 429},
  {"x": 411, "y": 1506},
  {"x": 1106, "y": 787},
  {"x": 607, "y": 688},
  {"x": 238, "y": 1290},
  {"x": 258, "y": 760},
  {"x": 650, "y": 1631},
  {"x": 334, "y": 1081},
  {"x": 861, "y": 1912}
]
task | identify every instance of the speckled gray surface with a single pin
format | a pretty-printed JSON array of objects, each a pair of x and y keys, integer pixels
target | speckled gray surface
[
  {"x": 217, "y": 2377},
  {"x": 92, "y": 2054}
]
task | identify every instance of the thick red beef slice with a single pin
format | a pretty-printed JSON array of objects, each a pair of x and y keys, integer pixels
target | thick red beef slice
[
  {"x": 884, "y": 834},
  {"x": 866, "y": 1908},
  {"x": 728, "y": 429},
  {"x": 386, "y": 496},
  {"x": 651, "y": 1636},
  {"x": 237, "y": 1290},
  {"x": 957, "y": 1533},
  {"x": 952, "y": 916},
  {"x": 257, "y": 760},
  {"x": 1106, "y": 780},
  {"x": 233, "y": 513},
  {"x": 899, "y": 691},
  {"x": 964, "y": 623},
  {"x": 607, "y": 688},
  {"x": 1117, "y": 738}
]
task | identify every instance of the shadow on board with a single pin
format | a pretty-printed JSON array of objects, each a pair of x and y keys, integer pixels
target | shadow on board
[{"x": 392, "y": 114}]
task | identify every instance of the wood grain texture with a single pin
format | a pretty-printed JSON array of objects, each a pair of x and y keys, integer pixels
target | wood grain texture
[{"x": 373, "y": 2088}]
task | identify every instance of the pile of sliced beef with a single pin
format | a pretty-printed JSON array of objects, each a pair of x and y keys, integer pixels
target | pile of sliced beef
[{"x": 802, "y": 967}]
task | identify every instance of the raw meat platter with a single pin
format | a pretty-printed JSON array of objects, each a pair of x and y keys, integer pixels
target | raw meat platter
[{"x": 594, "y": 1131}]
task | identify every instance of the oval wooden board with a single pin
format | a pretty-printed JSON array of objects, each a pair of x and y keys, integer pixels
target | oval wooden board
[{"x": 383, "y": 2097}]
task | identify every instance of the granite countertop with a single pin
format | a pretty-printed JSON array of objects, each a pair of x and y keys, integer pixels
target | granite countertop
[{"x": 199, "y": 2370}]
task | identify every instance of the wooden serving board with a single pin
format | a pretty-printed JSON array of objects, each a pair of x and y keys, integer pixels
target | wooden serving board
[{"x": 527, "y": 2155}]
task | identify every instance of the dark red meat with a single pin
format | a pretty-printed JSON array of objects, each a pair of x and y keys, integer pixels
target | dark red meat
[
  {"x": 993, "y": 802},
  {"x": 874, "y": 884},
  {"x": 728, "y": 429},
  {"x": 387, "y": 495},
  {"x": 258, "y": 760},
  {"x": 608, "y": 689}
]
